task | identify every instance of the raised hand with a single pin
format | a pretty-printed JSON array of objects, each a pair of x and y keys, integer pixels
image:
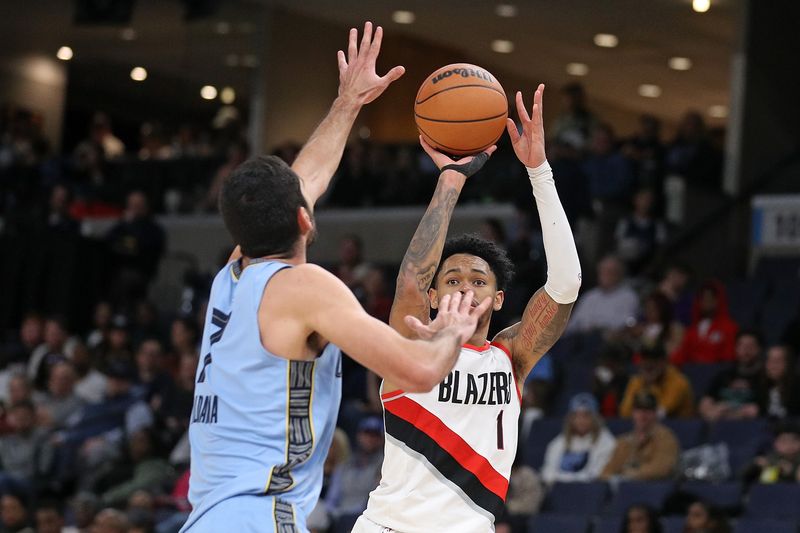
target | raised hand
[
  {"x": 529, "y": 145},
  {"x": 455, "y": 312},
  {"x": 468, "y": 165},
  {"x": 358, "y": 80}
]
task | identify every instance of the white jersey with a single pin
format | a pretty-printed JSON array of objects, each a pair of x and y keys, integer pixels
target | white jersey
[{"x": 449, "y": 451}]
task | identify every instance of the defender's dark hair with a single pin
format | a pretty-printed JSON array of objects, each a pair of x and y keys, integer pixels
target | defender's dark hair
[
  {"x": 472, "y": 244},
  {"x": 259, "y": 204}
]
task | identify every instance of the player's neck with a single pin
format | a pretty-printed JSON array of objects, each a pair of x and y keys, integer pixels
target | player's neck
[
  {"x": 479, "y": 338},
  {"x": 294, "y": 259}
]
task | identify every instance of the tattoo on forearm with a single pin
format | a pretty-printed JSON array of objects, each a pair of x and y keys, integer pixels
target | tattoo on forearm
[{"x": 424, "y": 252}]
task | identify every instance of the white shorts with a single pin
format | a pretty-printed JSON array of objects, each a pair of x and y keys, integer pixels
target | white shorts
[{"x": 365, "y": 525}]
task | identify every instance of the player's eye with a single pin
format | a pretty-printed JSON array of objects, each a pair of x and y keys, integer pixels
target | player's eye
[
  {"x": 480, "y": 283},
  {"x": 452, "y": 282}
]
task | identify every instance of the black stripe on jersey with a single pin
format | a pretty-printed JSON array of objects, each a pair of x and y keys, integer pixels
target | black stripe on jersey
[{"x": 445, "y": 463}]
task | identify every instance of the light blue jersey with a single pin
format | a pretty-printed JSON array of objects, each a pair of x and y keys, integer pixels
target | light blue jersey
[{"x": 261, "y": 425}]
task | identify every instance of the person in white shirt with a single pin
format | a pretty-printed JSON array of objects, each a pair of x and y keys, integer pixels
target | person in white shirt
[
  {"x": 583, "y": 448},
  {"x": 609, "y": 306}
]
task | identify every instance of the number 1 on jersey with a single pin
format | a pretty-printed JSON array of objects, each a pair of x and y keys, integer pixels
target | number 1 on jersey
[{"x": 500, "y": 431}]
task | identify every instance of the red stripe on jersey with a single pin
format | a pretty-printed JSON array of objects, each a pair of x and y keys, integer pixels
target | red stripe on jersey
[
  {"x": 451, "y": 442},
  {"x": 393, "y": 394},
  {"x": 476, "y": 348},
  {"x": 513, "y": 370}
]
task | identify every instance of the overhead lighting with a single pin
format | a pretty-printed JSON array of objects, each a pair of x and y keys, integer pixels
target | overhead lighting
[
  {"x": 680, "y": 63},
  {"x": 649, "y": 91},
  {"x": 606, "y": 40},
  {"x": 577, "y": 69},
  {"x": 208, "y": 92},
  {"x": 138, "y": 74},
  {"x": 128, "y": 34},
  {"x": 403, "y": 17},
  {"x": 222, "y": 28},
  {"x": 506, "y": 10},
  {"x": 701, "y": 6},
  {"x": 227, "y": 95},
  {"x": 501, "y": 46},
  {"x": 64, "y": 53},
  {"x": 718, "y": 111}
]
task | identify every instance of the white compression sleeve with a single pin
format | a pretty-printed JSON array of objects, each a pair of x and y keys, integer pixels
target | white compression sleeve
[{"x": 563, "y": 266}]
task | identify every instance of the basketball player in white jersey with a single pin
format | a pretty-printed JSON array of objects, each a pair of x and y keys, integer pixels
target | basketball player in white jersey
[
  {"x": 269, "y": 380},
  {"x": 448, "y": 452}
]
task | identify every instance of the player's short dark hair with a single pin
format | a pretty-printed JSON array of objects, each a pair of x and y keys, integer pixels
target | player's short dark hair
[
  {"x": 494, "y": 255},
  {"x": 259, "y": 204}
]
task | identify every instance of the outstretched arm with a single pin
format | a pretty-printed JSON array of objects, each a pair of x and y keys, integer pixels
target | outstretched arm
[
  {"x": 547, "y": 312},
  {"x": 425, "y": 250},
  {"x": 359, "y": 85}
]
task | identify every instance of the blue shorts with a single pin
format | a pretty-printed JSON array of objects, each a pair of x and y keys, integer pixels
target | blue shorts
[{"x": 249, "y": 514}]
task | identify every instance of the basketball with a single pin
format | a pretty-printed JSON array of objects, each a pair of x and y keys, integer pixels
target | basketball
[{"x": 461, "y": 109}]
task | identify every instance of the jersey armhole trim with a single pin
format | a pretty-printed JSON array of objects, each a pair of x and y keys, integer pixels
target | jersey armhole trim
[
  {"x": 513, "y": 371},
  {"x": 389, "y": 396}
]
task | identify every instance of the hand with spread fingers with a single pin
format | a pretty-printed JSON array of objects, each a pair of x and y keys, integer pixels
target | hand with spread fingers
[
  {"x": 358, "y": 80},
  {"x": 456, "y": 312},
  {"x": 529, "y": 145}
]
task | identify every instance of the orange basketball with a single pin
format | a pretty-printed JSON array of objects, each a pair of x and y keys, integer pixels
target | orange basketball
[{"x": 461, "y": 109}]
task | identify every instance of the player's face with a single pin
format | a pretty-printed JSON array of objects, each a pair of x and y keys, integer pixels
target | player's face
[{"x": 464, "y": 272}]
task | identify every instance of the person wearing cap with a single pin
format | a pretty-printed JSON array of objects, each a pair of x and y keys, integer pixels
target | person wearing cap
[
  {"x": 649, "y": 452},
  {"x": 782, "y": 463},
  {"x": 581, "y": 451},
  {"x": 672, "y": 390}
]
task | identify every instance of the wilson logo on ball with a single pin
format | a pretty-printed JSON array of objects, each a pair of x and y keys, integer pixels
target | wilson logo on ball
[{"x": 465, "y": 73}]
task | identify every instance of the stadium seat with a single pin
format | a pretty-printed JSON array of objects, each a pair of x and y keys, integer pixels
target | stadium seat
[
  {"x": 557, "y": 523},
  {"x": 701, "y": 375},
  {"x": 577, "y": 498},
  {"x": 745, "y": 299},
  {"x": 673, "y": 524},
  {"x": 762, "y": 525},
  {"x": 608, "y": 524},
  {"x": 726, "y": 495},
  {"x": 344, "y": 523},
  {"x": 689, "y": 431},
  {"x": 779, "y": 501},
  {"x": 618, "y": 426},
  {"x": 652, "y": 493},
  {"x": 542, "y": 432},
  {"x": 745, "y": 438}
]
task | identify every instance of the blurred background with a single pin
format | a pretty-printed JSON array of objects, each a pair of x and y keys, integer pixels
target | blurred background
[{"x": 674, "y": 133}]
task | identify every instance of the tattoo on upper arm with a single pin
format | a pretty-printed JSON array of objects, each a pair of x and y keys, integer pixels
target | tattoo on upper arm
[
  {"x": 424, "y": 251},
  {"x": 542, "y": 324}
]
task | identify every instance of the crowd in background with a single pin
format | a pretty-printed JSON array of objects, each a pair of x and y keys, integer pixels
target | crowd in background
[{"x": 96, "y": 387}]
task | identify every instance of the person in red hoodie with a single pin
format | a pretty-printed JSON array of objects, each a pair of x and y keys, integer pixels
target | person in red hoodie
[{"x": 711, "y": 337}]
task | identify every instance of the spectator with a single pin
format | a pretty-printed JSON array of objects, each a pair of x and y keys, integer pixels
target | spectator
[
  {"x": 782, "y": 464},
  {"x": 584, "y": 446},
  {"x": 704, "y": 518},
  {"x": 50, "y": 518},
  {"x": 608, "y": 307},
  {"x": 675, "y": 286},
  {"x": 649, "y": 452},
  {"x": 148, "y": 472},
  {"x": 377, "y": 299},
  {"x": 31, "y": 336},
  {"x": 145, "y": 322},
  {"x": 58, "y": 221},
  {"x": 783, "y": 386},
  {"x": 25, "y": 455},
  {"x": 21, "y": 390},
  {"x": 110, "y": 521},
  {"x": 666, "y": 383},
  {"x": 610, "y": 379},
  {"x": 352, "y": 481},
  {"x": 117, "y": 346},
  {"x": 524, "y": 498},
  {"x": 640, "y": 234},
  {"x": 647, "y": 151},
  {"x": 149, "y": 373},
  {"x": 692, "y": 155},
  {"x": 492, "y": 229},
  {"x": 102, "y": 136},
  {"x": 658, "y": 327},
  {"x": 57, "y": 343},
  {"x": 740, "y": 391},
  {"x": 352, "y": 269},
  {"x": 136, "y": 244},
  {"x": 174, "y": 407},
  {"x": 641, "y": 518},
  {"x": 237, "y": 154},
  {"x": 60, "y": 400},
  {"x": 103, "y": 313},
  {"x": 84, "y": 507},
  {"x": 575, "y": 124},
  {"x": 184, "y": 337},
  {"x": 14, "y": 513},
  {"x": 711, "y": 336},
  {"x": 90, "y": 384},
  {"x": 319, "y": 520},
  {"x": 572, "y": 185}
]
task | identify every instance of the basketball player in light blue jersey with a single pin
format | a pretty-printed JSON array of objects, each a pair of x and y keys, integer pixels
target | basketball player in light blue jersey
[{"x": 268, "y": 383}]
